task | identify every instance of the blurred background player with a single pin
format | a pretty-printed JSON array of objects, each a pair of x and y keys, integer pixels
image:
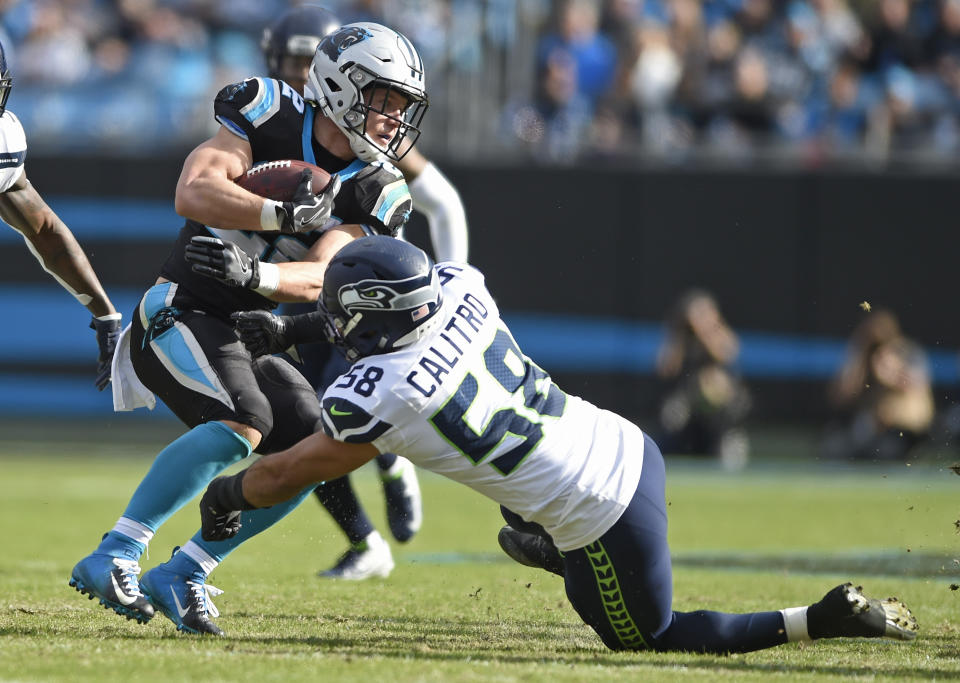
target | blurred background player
[
  {"x": 882, "y": 394},
  {"x": 288, "y": 47},
  {"x": 705, "y": 403},
  {"x": 48, "y": 239},
  {"x": 241, "y": 252}
]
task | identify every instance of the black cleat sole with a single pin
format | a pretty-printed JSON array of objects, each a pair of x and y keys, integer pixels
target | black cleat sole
[{"x": 124, "y": 611}]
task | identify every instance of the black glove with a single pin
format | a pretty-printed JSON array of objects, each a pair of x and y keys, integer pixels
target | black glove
[
  {"x": 223, "y": 261},
  {"x": 263, "y": 332},
  {"x": 307, "y": 211},
  {"x": 220, "y": 508},
  {"x": 108, "y": 332}
]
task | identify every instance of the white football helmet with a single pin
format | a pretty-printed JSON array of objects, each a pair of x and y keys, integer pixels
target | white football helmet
[{"x": 355, "y": 57}]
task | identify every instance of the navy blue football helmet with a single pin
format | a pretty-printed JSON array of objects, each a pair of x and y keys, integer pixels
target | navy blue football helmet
[
  {"x": 6, "y": 81},
  {"x": 297, "y": 32},
  {"x": 379, "y": 294}
]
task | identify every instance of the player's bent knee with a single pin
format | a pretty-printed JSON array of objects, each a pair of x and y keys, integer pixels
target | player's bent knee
[{"x": 252, "y": 435}]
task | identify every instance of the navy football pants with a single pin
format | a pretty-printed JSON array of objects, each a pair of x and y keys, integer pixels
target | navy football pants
[{"x": 622, "y": 584}]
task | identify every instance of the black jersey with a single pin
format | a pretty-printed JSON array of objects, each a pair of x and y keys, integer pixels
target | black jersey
[{"x": 278, "y": 124}]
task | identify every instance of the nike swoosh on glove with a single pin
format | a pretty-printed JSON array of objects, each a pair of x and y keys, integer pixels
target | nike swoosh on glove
[{"x": 307, "y": 211}]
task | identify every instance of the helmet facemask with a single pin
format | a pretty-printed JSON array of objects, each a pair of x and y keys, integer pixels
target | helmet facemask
[
  {"x": 6, "y": 82},
  {"x": 372, "y": 96}
]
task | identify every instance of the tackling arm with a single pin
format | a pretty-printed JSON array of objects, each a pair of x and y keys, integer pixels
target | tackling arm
[
  {"x": 276, "y": 478},
  {"x": 54, "y": 245}
]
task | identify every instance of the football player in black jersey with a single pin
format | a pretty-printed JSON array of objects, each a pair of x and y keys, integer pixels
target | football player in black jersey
[
  {"x": 242, "y": 252},
  {"x": 288, "y": 48}
]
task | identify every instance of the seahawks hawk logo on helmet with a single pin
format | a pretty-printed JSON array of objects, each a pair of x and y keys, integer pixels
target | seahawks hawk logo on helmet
[{"x": 338, "y": 41}]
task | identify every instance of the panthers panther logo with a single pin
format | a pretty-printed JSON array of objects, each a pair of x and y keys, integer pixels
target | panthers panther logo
[{"x": 338, "y": 41}]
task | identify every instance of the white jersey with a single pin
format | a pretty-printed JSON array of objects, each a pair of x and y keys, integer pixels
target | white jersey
[
  {"x": 13, "y": 150},
  {"x": 466, "y": 403}
]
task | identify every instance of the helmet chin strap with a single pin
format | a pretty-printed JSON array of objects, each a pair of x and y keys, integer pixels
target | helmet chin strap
[{"x": 352, "y": 323}]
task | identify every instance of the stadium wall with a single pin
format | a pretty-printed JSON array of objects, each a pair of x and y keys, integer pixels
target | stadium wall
[{"x": 585, "y": 263}]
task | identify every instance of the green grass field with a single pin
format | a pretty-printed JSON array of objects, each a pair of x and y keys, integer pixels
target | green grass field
[{"x": 779, "y": 534}]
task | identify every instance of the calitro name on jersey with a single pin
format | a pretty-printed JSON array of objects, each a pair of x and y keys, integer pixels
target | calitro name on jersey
[{"x": 448, "y": 347}]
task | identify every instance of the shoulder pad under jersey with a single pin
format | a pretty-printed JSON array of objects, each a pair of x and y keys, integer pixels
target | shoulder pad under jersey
[
  {"x": 344, "y": 420},
  {"x": 244, "y": 107}
]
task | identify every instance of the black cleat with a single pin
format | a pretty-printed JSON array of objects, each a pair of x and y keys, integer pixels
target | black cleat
[
  {"x": 531, "y": 550},
  {"x": 845, "y": 612}
]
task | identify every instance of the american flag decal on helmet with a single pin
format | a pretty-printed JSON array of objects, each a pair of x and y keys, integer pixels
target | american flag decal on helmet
[{"x": 418, "y": 313}]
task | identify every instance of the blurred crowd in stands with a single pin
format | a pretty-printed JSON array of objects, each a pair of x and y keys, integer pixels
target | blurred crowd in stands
[{"x": 557, "y": 81}]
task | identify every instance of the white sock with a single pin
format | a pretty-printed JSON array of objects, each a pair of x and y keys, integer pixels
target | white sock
[
  {"x": 795, "y": 624},
  {"x": 133, "y": 530},
  {"x": 200, "y": 556}
]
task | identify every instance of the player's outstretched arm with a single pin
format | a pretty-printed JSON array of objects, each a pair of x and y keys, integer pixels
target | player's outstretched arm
[
  {"x": 54, "y": 245},
  {"x": 276, "y": 478},
  {"x": 60, "y": 255}
]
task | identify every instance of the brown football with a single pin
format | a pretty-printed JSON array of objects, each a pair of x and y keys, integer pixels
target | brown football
[{"x": 278, "y": 180}]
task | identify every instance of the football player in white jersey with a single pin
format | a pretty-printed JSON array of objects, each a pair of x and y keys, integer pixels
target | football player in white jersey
[
  {"x": 437, "y": 377},
  {"x": 48, "y": 239}
]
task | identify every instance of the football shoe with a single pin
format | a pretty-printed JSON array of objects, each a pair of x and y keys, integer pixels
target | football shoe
[
  {"x": 113, "y": 580},
  {"x": 404, "y": 504},
  {"x": 531, "y": 550},
  {"x": 185, "y": 599},
  {"x": 367, "y": 559},
  {"x": 845, "y": 612}
]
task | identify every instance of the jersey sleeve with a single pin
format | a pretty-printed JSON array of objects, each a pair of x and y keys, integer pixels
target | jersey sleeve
[
  {"x": 345, "y": 420},
  {"x": 379, "y": 194},
  {"x": 243, "y": 107},
  {"x": 13, "y": 150}
]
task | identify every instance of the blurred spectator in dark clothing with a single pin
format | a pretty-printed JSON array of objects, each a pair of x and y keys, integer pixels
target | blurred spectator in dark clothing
[
  {"x": 892, "y": 38},
  {"x": 748, "y": 117},
  {"x": 706, "y": 401},
  {"x": 882, "y": 394}
]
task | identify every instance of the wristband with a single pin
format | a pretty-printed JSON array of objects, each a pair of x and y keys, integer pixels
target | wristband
[
  {"x": 229, "y": 493},
  {"x": 268, "y": 216},
  {"x": 109, "y": 316},
  {"x": 269, "y": 279},
  {"x": 306, "y": 328}
]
